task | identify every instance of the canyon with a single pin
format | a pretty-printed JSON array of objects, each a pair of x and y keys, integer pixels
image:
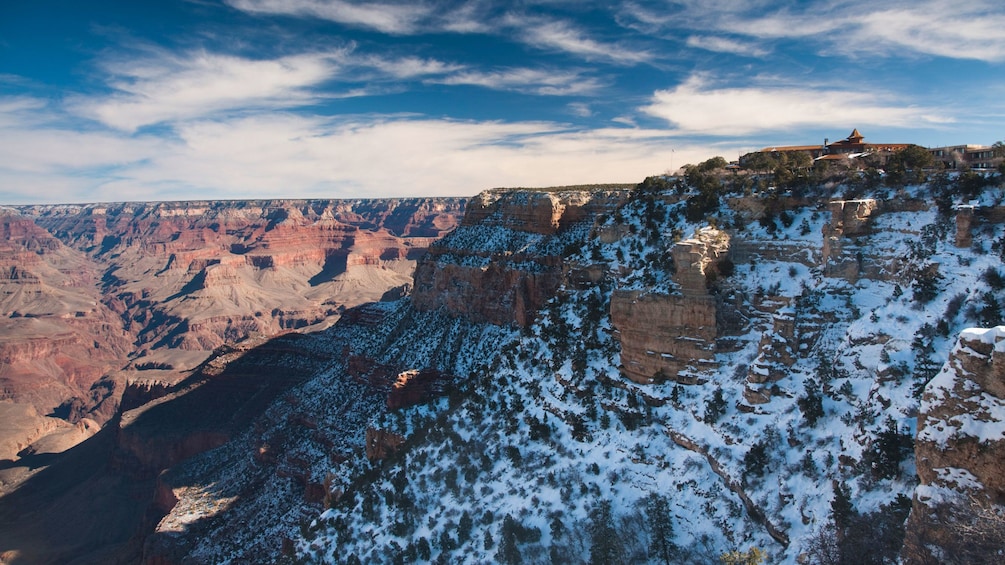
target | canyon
[
  {"x": 742, "y": 371},
  {"x": 117, "y": 303}
]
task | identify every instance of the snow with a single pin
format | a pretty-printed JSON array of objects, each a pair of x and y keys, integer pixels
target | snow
[
  {"x": 951, "y": 485},
  {"x": 549, "y": 428},
  {"x": 992, "y": 336},
  {"x": 984, "y": 418}
]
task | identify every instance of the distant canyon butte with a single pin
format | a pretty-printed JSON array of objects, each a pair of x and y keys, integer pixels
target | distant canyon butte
[{"x": 102, "y": 301}]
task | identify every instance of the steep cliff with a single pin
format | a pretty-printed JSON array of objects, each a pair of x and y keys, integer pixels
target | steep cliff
[
  {"x": 673, "y": 336},
  {"x": 506, "y": 259},
  {"x": 793, "y": 433},
  {"x": 956, "y": 515}
]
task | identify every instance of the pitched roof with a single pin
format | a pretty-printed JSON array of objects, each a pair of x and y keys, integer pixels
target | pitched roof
[{"x": 783, "y": 148}]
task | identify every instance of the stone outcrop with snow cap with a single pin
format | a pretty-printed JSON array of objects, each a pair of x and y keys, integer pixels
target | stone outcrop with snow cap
[
  {"x": 666, "y": 336},
  {"x": 502, "y": 264},
  {"x": 961, "y": 442}
]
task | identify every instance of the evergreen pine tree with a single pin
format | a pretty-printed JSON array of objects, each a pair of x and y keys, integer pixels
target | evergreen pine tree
[
  {"x": 661, "y": 542},
  {"x": 605, "y": 545},
  {"x": 508, "y": 551}
]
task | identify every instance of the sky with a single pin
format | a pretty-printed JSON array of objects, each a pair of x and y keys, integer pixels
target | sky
[{"x": 120, "y": 100}]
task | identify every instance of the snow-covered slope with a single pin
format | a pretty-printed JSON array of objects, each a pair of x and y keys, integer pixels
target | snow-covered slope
[{"x": 831, "y": 318}]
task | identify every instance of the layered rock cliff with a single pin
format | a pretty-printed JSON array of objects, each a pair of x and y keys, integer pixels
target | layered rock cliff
[
  {"x": 672, "y": 336},
  {"x": 102, "y": 299},
  {"x": 57, "y": 337},
  {"x": 505, "y": 261},
  {"x": 958, "y": 506},
  {"x": 227, "y": 270}
]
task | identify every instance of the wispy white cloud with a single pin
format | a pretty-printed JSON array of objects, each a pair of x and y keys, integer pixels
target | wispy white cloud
[
  {"x": 393, "y": 17},
  {"x": 550, "y": 82},
  {"x": 312, "y": 156},
  {"x": 580, "y": 109},
  {"x": 726, "y": 45},
  {"x": 170, "y": 87},
  {"x": 407, "y": 67},
  {"x": 469, "y": 16},
  {"x": 14, "y": 109},
  {"x": 559, "y": 35},
  {"x": 58, "y": 151},
  {"x": 43, "y": 161},
  {"x": 698, "y": 106},
  {"x": 548, "y": 33},
  {"x": 388, "y": 156},
  {"x": 386, "y": 17},
  {"x": 969, "y": 30}
]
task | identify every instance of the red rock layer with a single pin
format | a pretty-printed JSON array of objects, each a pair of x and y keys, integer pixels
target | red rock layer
[
  {"x": 506, "y": 284},
  {"x": 95, "y": 296}
]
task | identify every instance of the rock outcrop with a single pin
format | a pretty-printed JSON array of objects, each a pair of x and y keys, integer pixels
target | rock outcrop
[
  {"x": 849, "y": 219},
  {"x": 668, "y": 336},
  {"x": 663, "y": 336},
  {"x": 505, "y": 261},
  {"x": 775, "y": 351},
  {"x": 403, "y": 388},
  {"x": 964, "y": 226},
  {"x": 381, "y": 444},
  {"x": 959, "y": 450},
  {"x": 540, "y": 212}
]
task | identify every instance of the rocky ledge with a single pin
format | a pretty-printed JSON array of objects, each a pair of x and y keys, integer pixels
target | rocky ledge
[
  {"x": 960, "y": 447},
  {"x": 505, "y": 260}
]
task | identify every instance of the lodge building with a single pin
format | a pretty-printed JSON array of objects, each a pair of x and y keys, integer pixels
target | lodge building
[
  {"x": 852, "y": 145},
  {"x": 973, "y": 156},
  {"x": 953, "y": 157}
]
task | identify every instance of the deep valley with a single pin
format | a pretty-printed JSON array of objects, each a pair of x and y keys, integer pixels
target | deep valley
[{"x": 695, "y": 369}]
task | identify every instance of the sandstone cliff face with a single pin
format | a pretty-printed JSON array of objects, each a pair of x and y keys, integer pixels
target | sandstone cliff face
[
  {"x": 849, "y": 219},
  {"x": 667, "y": 336},
  {"x": 847, "y": 250},
  {"x": 662, "y": 336},
  {"x": 539, "y": 212},
  {"x": 960, "y": 446},
  {"x": 505, "y": 261}
]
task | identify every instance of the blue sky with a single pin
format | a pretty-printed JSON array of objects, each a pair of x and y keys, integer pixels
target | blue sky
[{"x": 194, "y": 99}]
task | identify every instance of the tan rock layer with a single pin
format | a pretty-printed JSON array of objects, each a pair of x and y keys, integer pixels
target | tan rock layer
[
  {"x": 506, "y": 286},
  {"x": 958, "y": 469},
  {"x": 662, "y": 335},
  {"x": 504, "y": 292}
]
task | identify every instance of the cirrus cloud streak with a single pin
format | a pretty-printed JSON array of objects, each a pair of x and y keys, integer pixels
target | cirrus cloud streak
[
  {"x": 170, "y": 87},
  {"x": 314, "y": 156},
  {"x": 697, "y": 106}
]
